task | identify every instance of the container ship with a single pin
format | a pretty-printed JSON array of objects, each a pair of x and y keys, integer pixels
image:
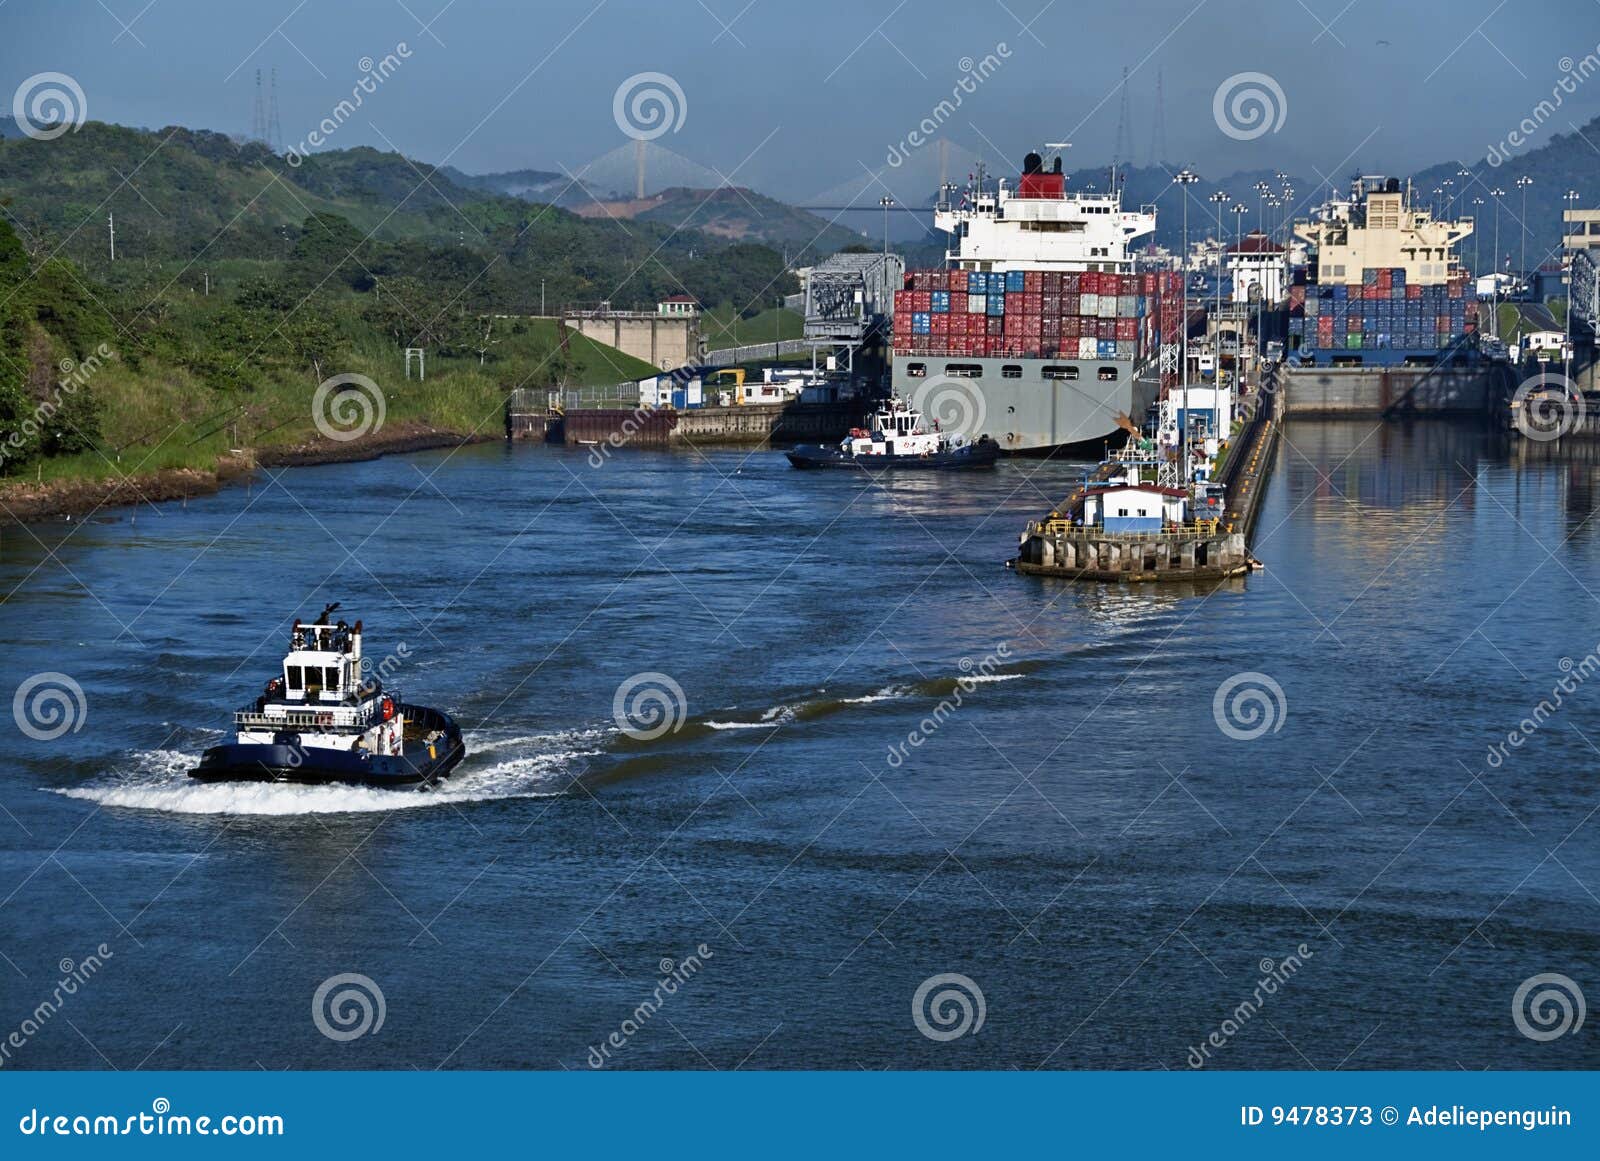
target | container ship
[
  {"x": 1038, "y": 324},
  {"x": 1383, "y": 286}
]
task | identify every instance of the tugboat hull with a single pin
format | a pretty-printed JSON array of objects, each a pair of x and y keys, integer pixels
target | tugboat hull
[
  {"x": 422, "y": 762},
  {"x": 976, "y": 455}
]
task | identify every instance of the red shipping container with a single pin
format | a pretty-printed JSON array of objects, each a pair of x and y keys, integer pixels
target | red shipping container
[
  {"x": 1049, "y": 325},
  {"x": 1070, "y": 303},
  {"x": 1071, "y": 327},
  {"x": 996, "y": 325},
  {"x": 1127, "y": 329},
  {"x": 1413, "y": 290},
  {"x": 1052, "y": 282},
  {"x": 956, "y": 280},
  {"x": 1033, "y": 303},
  {"x": 1071, "y": 282}
]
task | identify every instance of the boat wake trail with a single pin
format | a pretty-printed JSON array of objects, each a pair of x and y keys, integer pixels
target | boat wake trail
[{"x": 520, "y": 766}]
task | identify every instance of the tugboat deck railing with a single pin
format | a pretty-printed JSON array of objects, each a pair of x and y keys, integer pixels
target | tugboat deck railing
[{"x": 321, "y": 717}]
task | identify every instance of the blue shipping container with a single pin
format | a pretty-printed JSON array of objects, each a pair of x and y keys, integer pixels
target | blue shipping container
[
  {"x": 941, "y": 302},
  {"x": 977, "y": 283},
  {"x": 1015, "y": 283},
  {"x": 921, "y": 322},
  {"x": 997, "y": 304}
]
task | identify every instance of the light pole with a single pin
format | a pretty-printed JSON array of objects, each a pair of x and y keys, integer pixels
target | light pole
[
  {"x": 1523, "y": 183},
  {"x": 948, "y": 190},
  {"x": 1262, "y": 189},
  {"x": 1239, "y": 211},
  {"x": 1466, "y": 176},
  {"x": 1449, "y": 195},
  {"x": 1184, "y": 179},
  {"x": 1218, "y": 199},
  {"x": 1496, "y": 193},
  {"x": 1571, "y": 198},
  {"x": 1477, "y": 240},
  {"x": 886, "y": 201}
]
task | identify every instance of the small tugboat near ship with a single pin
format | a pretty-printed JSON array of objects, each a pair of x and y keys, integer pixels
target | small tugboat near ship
[
  {"x": 898, "y": 438},
  {"x": 323, "y": 721}
]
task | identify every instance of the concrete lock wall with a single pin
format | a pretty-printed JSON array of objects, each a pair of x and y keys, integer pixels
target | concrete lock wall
[
  {"x": 659, "y": 340},
  {"x": 1362, "y": 391}
]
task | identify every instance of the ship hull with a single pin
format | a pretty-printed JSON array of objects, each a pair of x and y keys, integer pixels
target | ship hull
[
  {"x": 285, "y": 761},
  {"x": 978, "y": 455},
  {"x": 1029, "y": 413}
]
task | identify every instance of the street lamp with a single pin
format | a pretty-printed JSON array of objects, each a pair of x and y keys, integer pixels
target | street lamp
[
  {"x": 1477, "y": 238},
  {"x": 1523, "y": 183},
  {"x": 1184, "y": 179},
  {"x": 1218, "y": 199},
  {"x": 1466, "y": 176},
  {"x": 1571, "y": 198},
  {"x": 886, "y": 201},
  {"x": 1494, "y": 298}
]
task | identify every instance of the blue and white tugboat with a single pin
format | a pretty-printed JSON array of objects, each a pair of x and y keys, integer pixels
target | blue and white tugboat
[
  {"x": 898, "y": 438},
  {"x": 322, "y": 720}
]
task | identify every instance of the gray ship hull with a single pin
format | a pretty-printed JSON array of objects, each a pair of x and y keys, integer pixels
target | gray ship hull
[{"x": 1028, "y": 413}]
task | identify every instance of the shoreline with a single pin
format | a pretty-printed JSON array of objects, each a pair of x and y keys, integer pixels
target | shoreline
[{"x": 25, "y": 503}]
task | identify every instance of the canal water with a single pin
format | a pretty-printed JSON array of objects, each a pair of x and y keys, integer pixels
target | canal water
[{"x": 909, "y": 810}]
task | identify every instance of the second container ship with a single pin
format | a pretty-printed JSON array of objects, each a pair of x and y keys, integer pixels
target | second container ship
[{"x": 1039, "y": 327}]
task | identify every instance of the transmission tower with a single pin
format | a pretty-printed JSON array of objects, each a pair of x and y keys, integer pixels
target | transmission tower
[
  {"x": 1124, "y": 151},
  {"x": 1158, "y": 129},
  {"x": 274, "y": 130},
  {"x": 258, "y": 118}
]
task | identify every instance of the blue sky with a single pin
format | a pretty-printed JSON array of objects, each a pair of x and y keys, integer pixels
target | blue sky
[{"x": 805, "y": 100}]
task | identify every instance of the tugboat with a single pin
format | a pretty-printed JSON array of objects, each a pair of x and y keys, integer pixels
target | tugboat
[
  {"x": 321, "y": 721},
  {"x": 899, "y": 439}
]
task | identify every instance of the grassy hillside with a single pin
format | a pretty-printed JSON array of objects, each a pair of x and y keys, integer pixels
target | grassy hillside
[
  {"x": 101, "y": 381},
  {"x": 186, "y": 201},
  {"x": 723, "y": 327}
]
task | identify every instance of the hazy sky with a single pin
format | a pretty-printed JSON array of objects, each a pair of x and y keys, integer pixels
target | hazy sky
[{"x": 804, "y": 100}]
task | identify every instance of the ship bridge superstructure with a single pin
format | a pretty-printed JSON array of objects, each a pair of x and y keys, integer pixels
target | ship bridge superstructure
[{"x": 1038, "y": 224}]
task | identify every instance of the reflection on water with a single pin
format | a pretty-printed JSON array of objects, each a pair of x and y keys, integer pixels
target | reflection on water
[{"x": 1078, "y": 835}]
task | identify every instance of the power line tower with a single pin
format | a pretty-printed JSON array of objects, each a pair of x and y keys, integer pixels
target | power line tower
[
  {"x": 1158, "y": 129},
  {"x": 258, "y": 117},
  {"x": 274, "y": 130},
  {"x": 1124, "y": 151}
]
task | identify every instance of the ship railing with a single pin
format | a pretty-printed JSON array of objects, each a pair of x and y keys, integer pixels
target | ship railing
[
  {"x": 1203, "y": 528},
  {"x": 307, "y": 718}
]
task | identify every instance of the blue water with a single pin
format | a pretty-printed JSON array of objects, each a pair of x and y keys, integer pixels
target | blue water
[{"x": 1078, "y": 837}]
